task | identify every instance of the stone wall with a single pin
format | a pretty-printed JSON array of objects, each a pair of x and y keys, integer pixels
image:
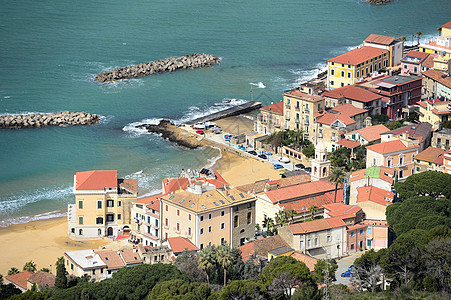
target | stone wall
[
  {"x": 378, "y": 2},
  {"x": 51, "y": 119},
  {"x": 190, "y": 61}
]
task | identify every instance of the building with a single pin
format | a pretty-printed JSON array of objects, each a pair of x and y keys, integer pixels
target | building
[
  {"x": 436, "y": 84},
  {"x": 415, "y": 62},
  {"x": 441, "y": 139},
  {"x": 42, "y": 280},
  {"x": 300, "y": 109},
  {"x": 352, "y": 66},
  {"x": 370, "y": 134},
  {"x": 319, "y": 238},
  {"x": 431, "y": 159},
  {"x": 155, "y": 255},
  {"x": 399, "y": 93},
  {"x": 320, "y": 164},
  {"x": 421, "y": 131},
  {"x": 300, "y": 192},
  {"x": 179, "y": 244},
  {"x": 435, "y": 111},
  {"x": 19, "y": 280},
  {"x": 332, "y": 125},
  {"x": 395, "y": 46},
  {"x": 381, "y": 177},
  {"x": 442, "y": 62},
  {"x": 209, "y": 178},
  {"x": 445, "y": 30},
  {"x": 85, "y": 262},
  {"x": 350, "y": 214},
  {"x": 258, "y": 250},
  {"x": 356, "y": 237},
  {"x": 377, "y": 234},
  {"x": 208, "y": 217},
  {"x": 355, "y": 95},
  {"x": 145, "y": 226},
  {"x": 374, "y": 201},
  {"x": 102, "y": 205},
  {"x": 447, "y": 163},
  {"x": 440, "y": 44},
  {"x": 397, "y": 154},
  {"x": 270, "y": 118}
]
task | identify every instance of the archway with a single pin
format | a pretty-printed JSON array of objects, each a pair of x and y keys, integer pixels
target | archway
[{"x": 110, "y": 231}]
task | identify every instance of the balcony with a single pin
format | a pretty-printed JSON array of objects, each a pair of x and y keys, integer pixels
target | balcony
[
  {"x": 287, "y": 118},
  {"x": 287, "y": 106},
  {"x": 297, "y": 108},
  {"x": 297, "y": 121}
]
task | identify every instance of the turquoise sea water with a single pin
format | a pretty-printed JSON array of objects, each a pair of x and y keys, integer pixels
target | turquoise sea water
[{"x": 51, "y": 50}]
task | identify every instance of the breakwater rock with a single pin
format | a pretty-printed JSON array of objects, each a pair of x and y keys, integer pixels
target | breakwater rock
[
  {"x": 378, "y": 2},
  {"x": 190, "y": 61},
  {"x": 174, "y": 134},
  {"x": 51, "y": 119}
]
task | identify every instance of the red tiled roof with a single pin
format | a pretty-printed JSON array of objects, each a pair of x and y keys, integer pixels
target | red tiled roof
[
  {"x": 349, "y": 110},
  {"x": 348, "y": 143},
  {"x": 357, "y": 226},
  {"x": 304, "y": 204},
  {"x": 300, "y": 190},
  {"x": 353, "y": 92},
  {"x": 390, "y": 147},
  {"x": 261, "y": 247},
  {"x": 128, "y": 185},
  {"x": 341, "y": 209},
  {"x": 358, "y": 55},
  {"x": 219, "y": 181},
  {"x": 148, "y": 200},
  {"x": 417, "y": 54},
  {"x": 309, "y": 261},
  {"x": 447, "y": 25},
  {"x": 429, "y": 61},
  {"x": 384, "y": 174},
  {"x": 374, "y": 194},
  {"x": 301, "y": 95},
  {"x": 432, "y": 155},
  {"x": 172, "y": 185},
  {"x": 316, "y": 225},
  {"x": 111, "y": 258},
  {"x": 329, "y": 118},
  {"x": 331, "y": 195},
  {"x": 437, "y": 76},
  {"x": 42, "y": 279},
  {"x": 342, "y": 112},
  {"x": 131, "y": 257},
  {"x": 95, "y": 180},
  {"x": 20, "y": 279},
  {"x": 180, "y": 244},
  {"x": 371, "y": 133},
  {"x": 380, "y": 39},
  {"x": 275, "y": 108}
]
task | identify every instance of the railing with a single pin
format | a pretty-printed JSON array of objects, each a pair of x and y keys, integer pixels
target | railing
[
  {"x": 287, "y": 118},
  {"x": 297, "y": 108}
]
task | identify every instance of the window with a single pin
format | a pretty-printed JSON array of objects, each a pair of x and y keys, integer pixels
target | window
[
  {"x": 374, "y": 161},
  {"x": 370, "y": 230},
  {"x": 236, "y": 208},
  {"x": 189, "y": 217},
  {"x": 209, "y": 216},
  {"x": 222, "y": 225},
  {"x": 99, "y": 204},
  {"x": 119, "y": 216},
  {"x": 342, "y": 84},
  {"x": 319, "y": 106},
  {"x": 401, "y": 160},
  {"x": 301, "y": 245},
  {"x": 166, "y": 235},
  {"x": 209, "y": 228},
  {"x": 99, "y": 231},
  {"x": 166, "y": 222},
  {"x": 201, "y": 246},
  {"x": 249, "y": 205},
  {"x": 342, "y": 73},
  {"x": 110, "y": 218},
  {"x": 349, "y": 74},
  {"x": 222, "y": 213},
  {"x": 332, "y": 72},
  {"x": 308, "y": 243},
  {"x": 80, "y": 232},
  {"x": 316, "y": 241},
  {"x": 235, "y": 222},
  {"x": 80, "y": 220},
  {"x": 361, "y": 231},
  {"x": 189, "y": 231},
  {"x": 80, "y": 204},
  {"x": 352, "y": 246},
  {"x": 99, "y": 220},
  {"x": 352, "y": 234},
  {"x": 201, "y": 218},
  {"x": 110, "y": 203},
  {"x": 201, "y": 231},
  {"x": 222, "y": 241},
  {"x": 119, "y": 203},
  {"x": 71, "y": 266},
  {"x": 389, "y": 164},
  {"x": 156, "y": 222},
  {"x": 415, "y": 69},
  {"x": 178, "y": 226},
  {"x": 249, "y": 218},
  {"x": 167, "y": 208},
  {"x": 156, "y": 232},
  {"x": 358, "y": 73},
  {"x": 148, "y": 219},
  {"x": 178, "y": 212},
  {"x": 332, "y": 82},
  {"x": 148, "y": 229},
  {"x": 329, "y": 238}
]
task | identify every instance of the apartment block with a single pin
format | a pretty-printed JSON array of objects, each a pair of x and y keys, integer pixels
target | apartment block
[{"x": 394, "y": 46}]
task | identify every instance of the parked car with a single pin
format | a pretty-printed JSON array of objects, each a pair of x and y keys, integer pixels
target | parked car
[
  {"x": 242, "y": 148},
  {"x": 252, "y": 152},
  {"x": 227, "y": 137},
  {"x": 262, "y": 156},
  {"x": 217, "y": 131},
  {"x": 284, "y": 159},
  {"x": 300, "y": 166},
  {"x": 200, "y": 132},
  {"x": 199, "y": 125},
  {"x": 350, "y": 268},
  {"x": 267, "y": 153},
  {"x": 308, "y": 169},
  {"x": 346, "y": 274},
  {"x": 278, "y": 166}
]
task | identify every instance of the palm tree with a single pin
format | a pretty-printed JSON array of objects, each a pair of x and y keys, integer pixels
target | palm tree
[
  {"x": 30, "y": 266},
  {"x": 291, "y": 214},
  {"x": 281, "y": 218},
  {"x": 207, "y": 260},
  {"x": 313, "y": 209},
  {"x": 337, "y": 175},
  {"x": 403, "y": 38},
  {"x": 13, "y": 271},
  {"x": 224, "y": 257},
  {"x": 419, "y": 34}
]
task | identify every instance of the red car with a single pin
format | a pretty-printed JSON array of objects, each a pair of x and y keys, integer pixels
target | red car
[{"x": 200, "y": 132}]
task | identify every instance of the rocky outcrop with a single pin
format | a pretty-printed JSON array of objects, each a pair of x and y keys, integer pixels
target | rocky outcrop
[
  {"x": 174, "y": 134},
  {"x": 51, "y": 119},
  {"x": 378, "y": 2},
  {"x": 159, "y": 66}
]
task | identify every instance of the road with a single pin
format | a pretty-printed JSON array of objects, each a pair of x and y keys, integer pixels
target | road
[{"x": 343, "y": 265}]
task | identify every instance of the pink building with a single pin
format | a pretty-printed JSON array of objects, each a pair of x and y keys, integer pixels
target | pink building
[{"x": 415, "y": 62}]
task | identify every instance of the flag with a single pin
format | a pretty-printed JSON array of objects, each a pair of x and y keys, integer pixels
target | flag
[{"x": 251, "y": 90}]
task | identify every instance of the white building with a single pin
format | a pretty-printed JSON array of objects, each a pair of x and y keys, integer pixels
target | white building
[{"x": 146, "y": 221}]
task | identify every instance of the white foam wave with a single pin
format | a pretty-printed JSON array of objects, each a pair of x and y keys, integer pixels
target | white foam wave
[
  {"x": 259, "y": 84},
  {"x": 212, "y": 161},
  {"x": 151, "y": 193},
  {"x": 14, "y": 202},
  {"x": 145, "y": 181},
  {"x": 131, "y": 128},
  {"x": 306, "y": 75},
  {"x": 26, "y": 219}
]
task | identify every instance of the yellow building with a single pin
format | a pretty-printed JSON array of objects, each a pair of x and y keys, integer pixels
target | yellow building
[
  {"x": 434, "y": 111},
  {"x": 300, "y": 109},
  {"x": 445, "y": 30},
  {"x": 394, "y": 46},
  {"x": 431, "y": 159},
  {"x": 208, "y": 217},
  {"x": 442, "y": 62},
  {"x": 102, "y": 205},
  {"x": 348, "y": 68}
]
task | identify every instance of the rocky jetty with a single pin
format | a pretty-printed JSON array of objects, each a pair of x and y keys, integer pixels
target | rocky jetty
[
  {"x": 190, "y": 61},
  {"x": 51, "y": 119},
  {"x": 174, "y": 134},
  {"x": 378, "y": 2}
]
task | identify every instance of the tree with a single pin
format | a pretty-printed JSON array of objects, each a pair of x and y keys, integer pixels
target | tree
[
  {"x": 367, "y": 279},
  {"x": 243, "y": 290},
  {"x": 307, "y": 289},
  {"x": 207, "y": 260},
  {"x": 284, "y": 264},
  {"x": 430, "y": 183},
  {"x": 313, "y": 209},
  {"x": 60, "y": 279},
  {"x": 320, "y": 266},
  {"x": 13, "y": 271},
  {"x": 291, "y": 214},
  {"x": 30, "y": 266},
  {"x": 309, "y": 151},
  {"x": 403, "y": 38},
  {"x": 437, "y": 258},
  {"x": 419, "y": 34},
  {"x": 281, "y": 217},
  {"x": 337, "y": 175},
  {"x": 187, "y": 262},
  {"x": 282, "y": 285},
  {"x": 250, "y": 270},
  {"x": 47, "y": 270},
  {"x": 8, "y": 290},
  {"x": 224, "y": 257},
  {"x": 179, "y": 289}
]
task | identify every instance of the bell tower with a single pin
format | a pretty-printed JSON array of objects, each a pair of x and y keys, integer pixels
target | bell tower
[{"x": 320, "y": 164}]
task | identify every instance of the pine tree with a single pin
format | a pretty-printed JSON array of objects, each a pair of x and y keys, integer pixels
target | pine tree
[{"x": 61, "y": 279}]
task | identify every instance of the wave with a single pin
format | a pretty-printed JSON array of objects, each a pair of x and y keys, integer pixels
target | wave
[
  {"x": 259, "y": 85},
  {"x": 26, "y": 219},
  {"x": 212, "y": 161},
  {"x": 309, "y": 74}
]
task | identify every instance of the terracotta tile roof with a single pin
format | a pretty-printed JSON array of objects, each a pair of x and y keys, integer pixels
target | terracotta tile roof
[
  {"x": 269, "y": 185},
  {"x": 155, "y": 204},
  {"x": 304, "y": 96},
  {"x": 261, "y": 247},
  {"x": 429, "y": 61},
  {"x": 130, "y": 256},
  {"x": 171, "y": 185},
  {"x": 128, "y": 186},
  {"x": 358, "y": 55},
  {"x": 348, "y": 143},
  {"x": 437, "y": 76},
  {"x": 341, "y": 209},
  {"x": 383, "y": 173},
  {"x": 20, "y": 279},
  {"x": 300, "y": 191},
  {"x": 331, "y": 195},
  {"x": 275, "y": 108},
  {"x": 219, "y": 181},
  {"x": 342, "y": 112},
  {"x": 357, "y": 226},
  {"x": 419, "y": 131},
  {"x": 353, "y": 92},
  {"x": 374, "y": 194},
  {"x": 447, "y": 25},
  {"x": 431, "y": 155},
  {"x": 111, "y": 258},
  {"x": 42, "y": 279},
  {"x": 309, "y": 261},
  {"x": 371, "y": 133},
  {"x": 180, "y": 244},
  {"x": 148, "y": 200},
  {"x": 329, "y": 118},
  {"x": 390, "y": 147},
  {"x": 380, "y": 39},
  {"x": 95, "y": 180},
  {"x": 316, "y": 225},
  {"x": 417, "y": 54},
  {"x": 349, "y": 110},
  {"x": 303, "y": 205}
]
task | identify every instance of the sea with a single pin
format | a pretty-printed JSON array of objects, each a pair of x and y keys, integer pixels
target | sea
[{"x": 51, "y": 51}]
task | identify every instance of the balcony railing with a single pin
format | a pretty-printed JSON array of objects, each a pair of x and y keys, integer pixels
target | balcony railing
[{"x": 287, "y": 118}]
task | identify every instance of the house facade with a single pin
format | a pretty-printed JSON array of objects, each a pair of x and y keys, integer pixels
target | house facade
[
  {"x": 146, "y": 226},
  {"x": 381, "y": 177},
  {"x": 394, "y": 46},
  {"x": 431, "y": 159},
  {"x": 441, "y": 139},
  {"x": 414, "y": 63},
  {"x": 270, "y": 119},
  {"x": 434, "y": 111}
]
